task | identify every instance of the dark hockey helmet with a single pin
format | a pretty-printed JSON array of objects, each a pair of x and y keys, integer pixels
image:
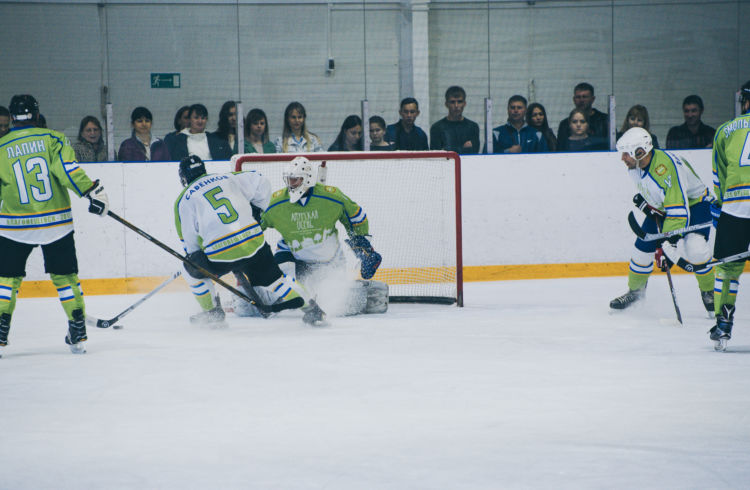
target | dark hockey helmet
[
  {"x": 23, "y": 108},
  {"x": 191, "y": 168},
  {"x": 745, "y": 93}
]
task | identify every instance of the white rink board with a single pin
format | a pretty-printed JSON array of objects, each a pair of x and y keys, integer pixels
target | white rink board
[{"x": 517, "y": 209}]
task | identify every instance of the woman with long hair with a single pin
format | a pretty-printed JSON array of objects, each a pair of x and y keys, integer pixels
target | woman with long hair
[
  {"x": 90, "y": 146},
  {"x": 637, "y": 116},
  {"x": 227, "y": 128},
  {"x": 256, "y": 133},
  {"x": 350, "y": 135},
  {"x": 536, "y": 118},
  {"x": 295, "y": 137}
]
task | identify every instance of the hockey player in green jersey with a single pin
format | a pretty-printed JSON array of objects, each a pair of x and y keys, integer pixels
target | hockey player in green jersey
[
  {"x": 305, "y": 213},
  {"x": 37, "y": 170},
  {"x": 731, "y": 172},
  {"x": 673, "y": 197},
  {"x": 216, "y": 216}
]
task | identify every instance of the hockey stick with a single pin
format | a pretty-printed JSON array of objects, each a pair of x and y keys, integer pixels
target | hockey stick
[
  {"x": 690, "y": 267},
  {"x": 245, "y": 283},
  {"x": 671, "y": 289},
  {"x": 203, "y": 271},
  {"x": 97, "y": 322},
  {"x": 648, "y": 237}
]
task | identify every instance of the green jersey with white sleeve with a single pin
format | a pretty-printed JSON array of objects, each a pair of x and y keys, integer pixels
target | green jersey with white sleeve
[
  {"x": 670, "y": 184},
  {"x": 308, "y": 226}
]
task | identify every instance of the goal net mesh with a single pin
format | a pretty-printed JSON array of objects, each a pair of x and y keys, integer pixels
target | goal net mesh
[{"x": 410, "y": 199}]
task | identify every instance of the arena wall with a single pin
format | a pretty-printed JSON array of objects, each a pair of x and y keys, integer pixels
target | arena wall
[{"x": 524, "y": 216}]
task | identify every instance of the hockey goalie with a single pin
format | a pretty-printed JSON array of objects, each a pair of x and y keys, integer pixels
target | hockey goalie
[{"x": 305, "y": 213}]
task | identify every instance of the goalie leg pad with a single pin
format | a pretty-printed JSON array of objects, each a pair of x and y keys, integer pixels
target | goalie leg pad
[{"x": 367, "y": 297}]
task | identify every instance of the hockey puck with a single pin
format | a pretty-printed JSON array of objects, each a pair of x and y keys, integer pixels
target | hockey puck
[{"x": 117, "y": 327}]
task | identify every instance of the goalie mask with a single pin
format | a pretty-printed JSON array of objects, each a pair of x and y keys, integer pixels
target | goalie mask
[
  {"x": 23, "y": 108},
  {"x": 191, "y": 168},
  {"x": 634, "y": 139},
  {"x": 298, "y": 177}
]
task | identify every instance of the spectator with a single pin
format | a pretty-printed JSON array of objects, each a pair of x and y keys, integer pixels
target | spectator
[
  {"x": 90, "y": 146},
  {"x": 296, "y": 138},
  {"x": 227, "y": 129},
  {"x": 637, "y": 117},
  {"x": 455, "y": 132},
  {"x": 515, "y": 136},
  {"x": 350, "y": 135},
  {"x": 583, "y": 98},
  {"x": 194, "y": 140},
  {"x": 580, "y": 137},
  {"x": 142, "y": 146},
  {"x": 4, "y": 121},
  {"x": 693, "y": 133},
  {"x": 404, "y": 134},
  {"x": 377, "y": 135},
  {"x": 536, "y": 118},
  {"x": 181, "y": 119},
  {"x": 256, "y": 133}
]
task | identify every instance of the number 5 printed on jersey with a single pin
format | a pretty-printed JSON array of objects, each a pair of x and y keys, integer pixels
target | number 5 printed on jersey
[{"x": 224, "y": 208}]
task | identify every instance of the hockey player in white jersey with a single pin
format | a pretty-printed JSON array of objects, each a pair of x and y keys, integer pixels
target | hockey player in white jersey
[{"x": 216, "y": 217}]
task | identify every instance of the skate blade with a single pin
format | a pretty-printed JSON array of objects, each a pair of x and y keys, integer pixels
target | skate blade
[
  {"x": 720, "y": 345},
  {"x": 77, "y": 348}
]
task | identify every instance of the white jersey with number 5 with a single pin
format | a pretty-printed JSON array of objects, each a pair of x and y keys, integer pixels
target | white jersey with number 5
[{"x": 213, "y": 214}]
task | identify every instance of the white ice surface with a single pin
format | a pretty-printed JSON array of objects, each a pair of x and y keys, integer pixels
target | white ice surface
[{"x": 534, "y": 384}]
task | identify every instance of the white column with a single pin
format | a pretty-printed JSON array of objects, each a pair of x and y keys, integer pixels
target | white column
[{"x": 414, "y": 57}]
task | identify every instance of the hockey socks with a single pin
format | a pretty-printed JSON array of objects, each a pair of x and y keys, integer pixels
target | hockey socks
[
  {"x": 70, "y": 294},
  {"x": 726, "y": 284},
  {"x": 8, "y": 292}
]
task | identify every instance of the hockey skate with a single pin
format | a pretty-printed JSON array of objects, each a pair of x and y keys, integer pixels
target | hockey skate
[
  {"x": 722, "y": 331},
  {"x": 627, "y": 299},
  {"x": 708, "y": 302},
  {"x": 76, "y": 333},
  {"x": 211, "y": 318},
  {"x": 313, "y": 314},
  {"x": 4, "y": 329}
]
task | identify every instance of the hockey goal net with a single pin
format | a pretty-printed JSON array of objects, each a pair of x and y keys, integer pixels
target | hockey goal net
[{"x": 413, "y": 205}]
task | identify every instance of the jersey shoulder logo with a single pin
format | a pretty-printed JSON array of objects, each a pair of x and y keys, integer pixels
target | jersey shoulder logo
[
  {"x": 278, "y": 193},
  {"x": 661, "y": 170},
  {"x": 330, "y": 189}
]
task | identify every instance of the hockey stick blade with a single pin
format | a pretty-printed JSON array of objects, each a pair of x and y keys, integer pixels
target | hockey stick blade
[
  {"x": 690, "y": 267},
  {"x": 100, "y": 323},
  {"x": 648, "y": 237}
]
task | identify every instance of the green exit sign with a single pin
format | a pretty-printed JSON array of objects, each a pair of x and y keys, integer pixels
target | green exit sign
[{"x": 165, "y": 80}]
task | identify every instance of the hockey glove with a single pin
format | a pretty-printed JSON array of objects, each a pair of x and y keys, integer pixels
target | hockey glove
[
  {"x": 641, "y": 203},
  {"x": 98, "y": 201},
  {"x": 661, "y": 257},
  {"x": 197, "y": 258},
  {"x": 368, "y": 257}
]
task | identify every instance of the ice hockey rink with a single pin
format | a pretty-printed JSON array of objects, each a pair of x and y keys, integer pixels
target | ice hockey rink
[{"x": 533, "y": 384}]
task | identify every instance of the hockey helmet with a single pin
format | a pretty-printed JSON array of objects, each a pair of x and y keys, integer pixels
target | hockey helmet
[
  {"x": 23, "y": 108},
  {"x": 191, "y": 168},
  {"x": 299, "y": 168},
  {"x": 634, "y": 139},
  {"x": 745, "y": 93}
]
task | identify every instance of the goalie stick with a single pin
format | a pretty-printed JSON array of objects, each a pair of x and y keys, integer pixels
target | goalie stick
[
  {"x": 97, "y": 322},
  {"x": 648, "y": 237},
  {"x": 203, "y": 271}
]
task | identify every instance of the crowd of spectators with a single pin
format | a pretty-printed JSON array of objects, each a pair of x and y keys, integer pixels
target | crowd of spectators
[{"x": 526, "y": 130}]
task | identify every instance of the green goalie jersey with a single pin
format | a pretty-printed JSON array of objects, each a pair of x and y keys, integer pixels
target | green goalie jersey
[
  {"x": 308, "y": 226},
  {"x": 37, "y": 169},
  {"x": 731, "y": 166}
]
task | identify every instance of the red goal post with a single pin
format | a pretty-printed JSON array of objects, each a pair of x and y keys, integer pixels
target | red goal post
[{"x": 413, "y": 204}]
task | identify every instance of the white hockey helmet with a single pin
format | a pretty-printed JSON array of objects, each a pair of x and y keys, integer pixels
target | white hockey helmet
[
  {"x": 632, "y": 140},
  {"x": 299, "y": 168}
]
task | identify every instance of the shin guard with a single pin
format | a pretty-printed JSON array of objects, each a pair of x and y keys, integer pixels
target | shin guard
[{"x": 70, "y": 293}]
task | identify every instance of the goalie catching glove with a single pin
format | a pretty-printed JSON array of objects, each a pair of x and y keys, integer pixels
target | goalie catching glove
[
  {"x": 368, "y": 257},
  {"x": 98, "y": 201}
]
